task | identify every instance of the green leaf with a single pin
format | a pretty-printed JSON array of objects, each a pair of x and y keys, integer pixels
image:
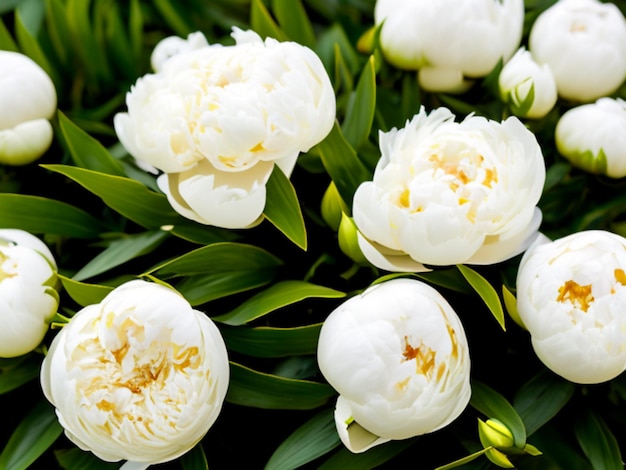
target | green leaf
[
  {"x": 32, "y": 437},
  {"x": 174, "y": 14},
  {"x": 256, "y": 389},
  {"x": 262, "y": 22},
  {"x": 510, "y": 303},
  {"x": 272, "y": 342},
  {"x": 36, "y": 214},
  {"x": 311, "y": 440},
  {"x": 195, "y": 459},
  {"x": 203, "y": 288},
  {"x": 294, "y": 21},
  {"x": 342, "y": 164},
  {"x": 448, "y": 278},
  {"x": 279, "y": 295},
  {"x": 128, "y": 197},
  {"x": 485, "y": 291},
  {"x": 76, "y": 459},
  {"x": 357, "y": 124},
  {"x": 92, "y": 55},
  {"x": 58, "y": 29},
  {"x": 370, "y": 459},
  {"x": 218, "y": 258},
  {"x": 120, "y": 251},
  {"x": 86, "y": 151},
  {"x": 598, "y": 443},
  {"x": 15, "y": 372},
  {"x": 282, "y": 208},
  {"x": 464, "y": 460},
  {"x": 6, "y": 40},
  {"x": 493, "y": 405},
  {"x": 30, "y": 47},
  {"x": 82, "y": 293},
  {"x": 541, "y": 398},
  {"x": 135, "y": 28}
]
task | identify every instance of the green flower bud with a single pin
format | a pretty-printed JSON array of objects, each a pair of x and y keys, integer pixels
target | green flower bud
[
  {"x": 495, "y": 433},
  {"x": 333, "y": 206},
  {"x": 348, "y": 241}
]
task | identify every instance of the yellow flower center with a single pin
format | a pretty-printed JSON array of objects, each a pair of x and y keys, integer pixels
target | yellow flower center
[{"x": 579, "y": 296}]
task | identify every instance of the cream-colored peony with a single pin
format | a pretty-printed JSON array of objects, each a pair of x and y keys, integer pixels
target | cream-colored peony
[
  {"x": 571, "y": 296},
  {"x": 28, "y": 101},
  {"x": 584, "y": 44},
  {"x": 449, "y": 41},
  {"x": 447, "y": 192},
  {"x": 398, "y": 357},
  {"x": 217, "y": 120},
  {"x": 140, "y": 376},
  {"x": 28, "y": 296}
]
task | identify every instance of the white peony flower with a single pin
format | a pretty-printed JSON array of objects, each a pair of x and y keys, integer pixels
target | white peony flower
[
  {"x": 448, "y": 193},
  {"x": 216, "y": 119},
  {"x": 140, "y": 376},
  {"x": 449, "y": 40},
  {"x": 593, "y": 137},
  {"x": 28, "y": 100},
  {"x": 28, "y": 299},
  {"x": 571, "y": 296},
  {"x": 398, "y": 357},
  {"x": 528, "y": 87},
  {"x": 584, "y": 43}
]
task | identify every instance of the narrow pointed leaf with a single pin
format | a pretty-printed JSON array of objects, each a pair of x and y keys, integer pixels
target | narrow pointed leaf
[
  {"x": 32, "y": 437},
  {"x": 120, "y": 251},
  {"x": 15, "y": 372},
  {"x": 598, "y": 442},
  {"x": 195, "y": 459},
  {"x": 256, "y": 389},
  {"x": 272, "y": 342},
  {"x": 7, "y": 43},
  {"x": 342, "y": 164},
  {"x": 279, "y": 295},
  {"x": 76, "y": 459},
  {"x": 29, "y": 46},
  {"x": 82, "y": 293},
  {"x": 282, "y": 208},
  {"x": 311, "y": 440},
  {"x": 373, "y": 458},
  {"x": 86, "y": 151},
  {"x": 262, "y": 22},
  {"x": 485, "y": 291},
  {"x": 541, "y": 398},
  {"x": 294, "y": 21},
  {"x": 36, "y": 214},
  {"x": 361, "y": 107}
]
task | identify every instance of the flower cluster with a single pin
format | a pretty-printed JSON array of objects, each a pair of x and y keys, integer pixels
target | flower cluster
[{"x": 465, "y": 147}]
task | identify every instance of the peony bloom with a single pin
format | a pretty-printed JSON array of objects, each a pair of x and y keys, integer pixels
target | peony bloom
[
  {"x": 593, "y": 137},
  {"x": 28, "y": 100},
  {"x": 28, "y": 299},
  {"x": 571, "y": 296},
  {"x": 584, "y": 43},
  {"x": 528, "y": 88},
  {"x": 216, "y": 119},
  {"x": 448, "y": 193},
  {"x": 398, "y": 356},
  {"x": 449, "y": 40},
  {"x": 140, "y": 376}
]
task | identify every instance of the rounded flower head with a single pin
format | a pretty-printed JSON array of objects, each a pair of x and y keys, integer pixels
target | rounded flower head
[
  {"x": 528, "y": 87},
  {"x": 398, "y": 356},
  {"x": 28, "y": 299},
  {"x": 584, "y": 43},
  {"x": 449, "y": 40},
  {"x": 593, "y": 137},
  {"x": 28, "y": 100},
  {"x": 448, "y": 193},
  {"x": 140, "y": 376},
  {"x": 571, "y": 296},
  {"x": 216, "y": 119}
]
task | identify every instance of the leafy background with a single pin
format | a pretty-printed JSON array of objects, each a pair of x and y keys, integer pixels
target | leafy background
[{"x": 269, "y": 288}]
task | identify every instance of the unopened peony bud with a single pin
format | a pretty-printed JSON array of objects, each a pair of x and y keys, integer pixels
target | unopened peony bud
[
  {"x": 28, "y": 100},
  {"x": 593, "y": 137},
  {"x": 528, "y": 88}
]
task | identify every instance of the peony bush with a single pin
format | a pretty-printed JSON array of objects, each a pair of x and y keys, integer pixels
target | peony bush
[{"x": 310, "y": 234}]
